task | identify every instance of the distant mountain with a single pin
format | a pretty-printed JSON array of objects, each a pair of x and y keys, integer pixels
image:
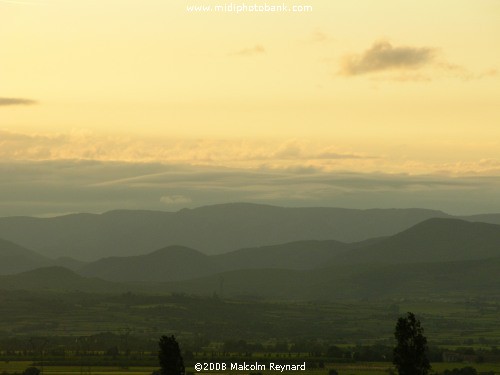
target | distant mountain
[
  {"x": 212, "y": 229},
  {"x": 69, "y": 263},
  {"x": 484, "y": 218},
  {"x": 57, "y": 279},
  {"x": 15, "y": 258},
  {"x": 300, "y": 255},
  {"x": 465, "y": 279},
  {"x": 182, "y": 263},
  {"x": 434, "y": 240},
  {"x": 431, "y": 241},
  {"x": 170, "y": 263},
  {"x": 436, "y": 257}
]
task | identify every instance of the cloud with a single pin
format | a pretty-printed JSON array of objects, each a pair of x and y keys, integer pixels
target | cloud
[
  {"x": 245, "y": 153},
  {"x": 175, "y": 199},
  {"x": 302, "y": 150},
  {"x": 43, "y": 188},
  {"x": 334, "y": 155},
  {"x": 16, "y": 101},
  {"x": 383, "y": 56},
  {"x": 404, "y": 63},
  {"x": 257, "y": 50},
  {"x": 464, "y": 74}
]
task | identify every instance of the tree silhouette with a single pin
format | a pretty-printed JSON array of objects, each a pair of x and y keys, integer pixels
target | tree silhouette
[
  {"x": 170, "y": 357},
  {"x": 410, "y": 353}
]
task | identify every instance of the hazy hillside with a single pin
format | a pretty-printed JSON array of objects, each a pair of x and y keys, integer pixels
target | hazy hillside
[
  {"x": 211, "y": 229},
  {"x": 57, "y": 279},
  {"x": 170, "y": 263},
  {"x": 300, "y": 255},
  {"x": 438, "y": 257},
  {"x": 69, "y": 263},
  {"x": 434, "y": 240},
  {"x": 484, "y": 218},
  {"x": 181, "y": 263},
  {"x": 451, "y": 279},
  {"x": 15, "y": 258},
  {"x": 465, "y": 279}
]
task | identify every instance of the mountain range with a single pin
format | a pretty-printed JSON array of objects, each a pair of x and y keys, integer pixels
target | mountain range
[
  {"x": 437, "y": 255},
  {"x": 182, "y": 263},
  {"x": 212, "y": 230}
]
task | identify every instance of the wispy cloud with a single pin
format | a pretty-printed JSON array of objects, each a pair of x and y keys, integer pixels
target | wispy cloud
[
  {"x": 383, "y": 56},
  {"x": 256, "y": 50},
  {"x": 16, "y": 101},
  {"x": 465, "y": 74}
]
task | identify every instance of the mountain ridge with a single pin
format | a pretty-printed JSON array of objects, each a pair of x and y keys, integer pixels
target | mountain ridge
[
  {"x": 211, "y": 229},
  {"x": 433, "y": 240},
  {"x": 57, "y": 279},
  {"x": 15, "y": 258}
]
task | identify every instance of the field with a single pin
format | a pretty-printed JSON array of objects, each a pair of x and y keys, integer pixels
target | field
[
  {"x": 447, "y": 322},
  {"x": 95, "y": 333}
]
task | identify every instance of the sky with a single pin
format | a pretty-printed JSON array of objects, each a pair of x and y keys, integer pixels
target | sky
[{"x": 108, "y": 104}]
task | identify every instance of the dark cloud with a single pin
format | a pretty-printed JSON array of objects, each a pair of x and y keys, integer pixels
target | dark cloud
[
  {"x": 383, "y": 56},
  {"x": 16, "y": 101},
  {"x": 257, "y": 50}
]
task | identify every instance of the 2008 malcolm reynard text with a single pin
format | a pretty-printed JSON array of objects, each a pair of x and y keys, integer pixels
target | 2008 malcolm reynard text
[{"x": 244, "y": 366}]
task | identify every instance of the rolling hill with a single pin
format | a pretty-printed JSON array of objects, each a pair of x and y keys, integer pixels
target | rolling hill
[
  {"x": 300, "y": 255},
  {"x": 170, "y": 263},
  {"x": 182, "y": 263},
  {"x": 438, "y": 257},
  {"x": 435, "y": 257},
  {"x": 433, "y": 240},
  {"x": 57, "y": 279},
  {"x": 15, "y": 258},
  {"x": 465, "y": 279}
]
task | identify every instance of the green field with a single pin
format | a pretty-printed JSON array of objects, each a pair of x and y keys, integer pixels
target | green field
[
  {"x": 97, "y": 333},
  {"x": 447, "y": 322}
]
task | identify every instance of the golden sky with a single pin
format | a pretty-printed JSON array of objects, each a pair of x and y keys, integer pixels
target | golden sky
[{"x": 389, "y": 86}]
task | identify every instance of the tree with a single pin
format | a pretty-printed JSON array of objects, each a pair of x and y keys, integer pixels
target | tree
[
  {"x": 170, "y": 357},
  {"x": 410, "y": 353},
  {"x": 31, "y": 371},
  {"x": 334, "y": 352}
]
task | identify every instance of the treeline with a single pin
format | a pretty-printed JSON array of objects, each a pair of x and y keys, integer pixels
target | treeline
[
  {"x": 125, "y": 349},
  {"x": 321, "y": 352}
]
